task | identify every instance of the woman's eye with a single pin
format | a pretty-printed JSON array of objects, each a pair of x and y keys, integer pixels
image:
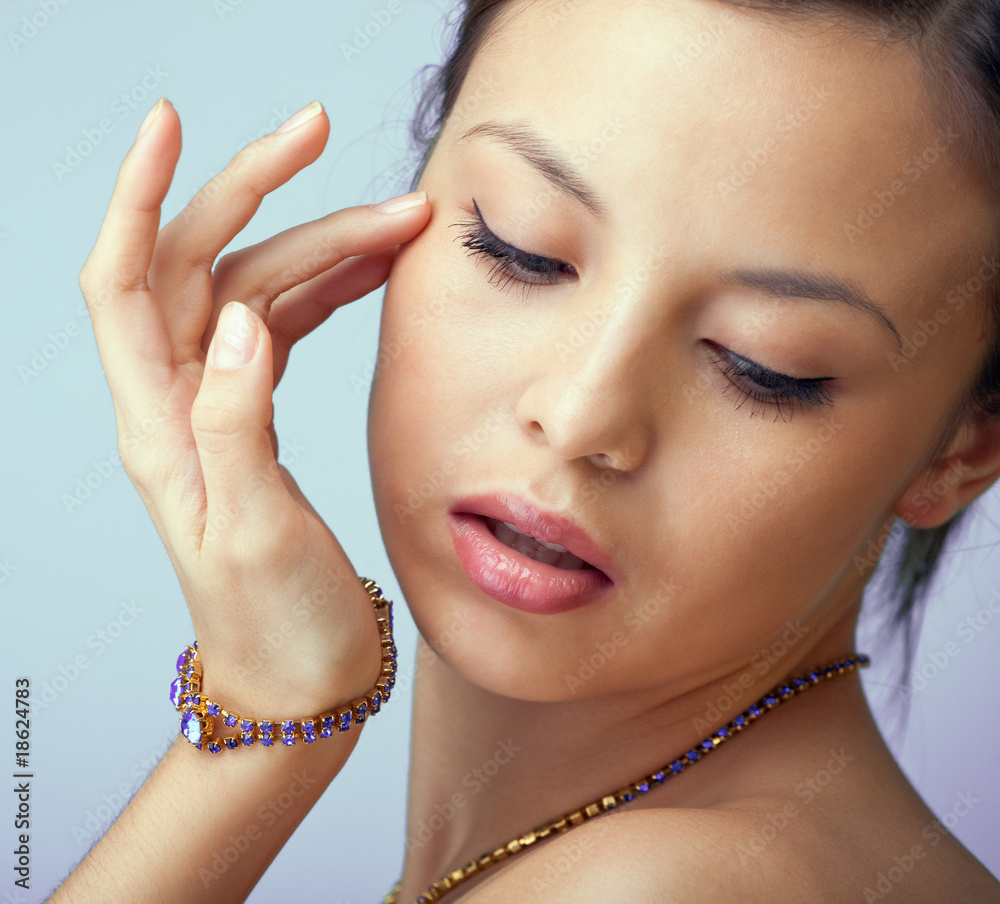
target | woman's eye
[
  {"x": 767, "y": 389},
  {"x": 510, "y": 264}
]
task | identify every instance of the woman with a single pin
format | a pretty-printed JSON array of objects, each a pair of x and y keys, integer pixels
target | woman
[{"x": 615, "y": 327}]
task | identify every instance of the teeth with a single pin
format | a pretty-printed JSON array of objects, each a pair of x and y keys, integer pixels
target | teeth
[
  {"x": 555, "y": 546},
  {"x": 539, "y": 550}
]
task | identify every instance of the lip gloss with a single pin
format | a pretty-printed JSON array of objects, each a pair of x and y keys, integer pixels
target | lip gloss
[{"x": 517, "y": 580}]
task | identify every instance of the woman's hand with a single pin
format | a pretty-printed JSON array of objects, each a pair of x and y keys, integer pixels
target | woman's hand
[{"x": 284, "y": 627}]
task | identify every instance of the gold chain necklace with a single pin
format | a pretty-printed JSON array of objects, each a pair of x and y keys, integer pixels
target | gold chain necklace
[{"x": 604, "y": 804}]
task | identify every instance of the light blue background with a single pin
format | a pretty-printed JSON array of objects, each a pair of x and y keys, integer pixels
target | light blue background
[{"x": 234, "y": 71}]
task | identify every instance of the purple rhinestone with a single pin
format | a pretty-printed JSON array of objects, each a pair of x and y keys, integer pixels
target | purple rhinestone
[
  {"x": 692, "y": 756},
  {"x": 344, "y": 721},
  {"x": 230, "y": 720},
  {"x": 232, "y": 743},
  {"x": 376, "y": 702},
  {"x": 813, "y": 677},
  {"x": 801, "y": 683},
  {"x": 308, "y": 725},
  {"x": 266, "y": 741},
  {"x": 266, "y": 727},
  {"x": 182, "y": 660},
  {"x": 191, "y": 727},
  {"x": 627, "y": 797},
  {"x": 288, "y": 726},
  {"x": 739, "y": 721},
  {"x": 643, "y": 787},
  {"x": 247, "y": 739},
  {"x": 308, "y": 738},
  {"x": 770, "y": 700},
  {"x": 213, "y": 709},
  {"x": 785, "y": 690},
  {"x": 192, "y": 700},
  {"x": 659, "y": 777},
  {"x": 676, "y": 766},
  {"x": 754, "y": 710},
  {"x": 288, "y": 740},
  {"x": 214, "y": 747},
  {"x": 723, "y": 733},
  {"x": 246, "y": 725},
  {"x": 707, "y": 745},
  {"x": 177, "y": 688}
]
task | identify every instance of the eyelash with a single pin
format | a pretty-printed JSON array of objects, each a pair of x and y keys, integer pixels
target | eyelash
[
  {"x": 510, "y": 265},
  {"x": 766, "y": 389}
]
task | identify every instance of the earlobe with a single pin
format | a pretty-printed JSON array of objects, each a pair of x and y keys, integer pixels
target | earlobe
[{"x": 965, "y": 470}]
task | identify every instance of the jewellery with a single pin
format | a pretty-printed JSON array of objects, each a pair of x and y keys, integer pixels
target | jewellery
[
  {"x": 630, "y": 792},
  {"x": 198, "y": 714}
]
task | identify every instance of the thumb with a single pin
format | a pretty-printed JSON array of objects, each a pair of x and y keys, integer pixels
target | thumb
[{"x": 229, "y": 421}]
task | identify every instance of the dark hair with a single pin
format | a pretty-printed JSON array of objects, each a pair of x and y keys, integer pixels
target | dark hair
[{"x": 958, "y": 42}]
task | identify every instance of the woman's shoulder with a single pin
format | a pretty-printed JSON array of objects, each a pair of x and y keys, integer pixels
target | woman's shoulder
[{"x": 753, "y": 849}]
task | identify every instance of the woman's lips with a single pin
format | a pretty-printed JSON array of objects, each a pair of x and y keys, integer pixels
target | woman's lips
[{"x": 513, "y": 578}]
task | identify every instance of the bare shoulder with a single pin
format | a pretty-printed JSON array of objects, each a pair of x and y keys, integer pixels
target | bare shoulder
[{"x": 757, "y": 849}]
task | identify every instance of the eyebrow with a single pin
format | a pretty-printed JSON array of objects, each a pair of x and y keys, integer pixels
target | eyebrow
[
  {"x": 802, "y": 284},
  {"x": 544, "y": 157}
]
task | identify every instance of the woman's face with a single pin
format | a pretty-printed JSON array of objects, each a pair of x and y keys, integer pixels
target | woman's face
[{"x": 703, "y": 199}]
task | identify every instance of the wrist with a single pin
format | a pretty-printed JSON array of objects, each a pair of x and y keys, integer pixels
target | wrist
[{"x": 214, "y": 722}]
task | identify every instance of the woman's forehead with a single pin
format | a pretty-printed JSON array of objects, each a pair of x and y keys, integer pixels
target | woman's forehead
[{"x": 818, "y": 138}]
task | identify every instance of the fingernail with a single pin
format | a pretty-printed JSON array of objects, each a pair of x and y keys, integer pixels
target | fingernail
[
  {"x": 403, "y": 202},
  {"x": 151, "y": 117},
  {"x": 235, "y": 338},
  {"x": 300, "y": 118}
]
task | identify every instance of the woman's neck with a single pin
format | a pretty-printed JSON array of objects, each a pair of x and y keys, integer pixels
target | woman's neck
[{"x": 486, "y": 768}]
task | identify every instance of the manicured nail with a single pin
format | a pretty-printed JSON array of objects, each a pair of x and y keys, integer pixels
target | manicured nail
[
  {"x": 403, "y": 202},
  {"x": 151, "y": 117},
  {"x": 235, "y": 338},
  {"x": 300, "y": 118}
]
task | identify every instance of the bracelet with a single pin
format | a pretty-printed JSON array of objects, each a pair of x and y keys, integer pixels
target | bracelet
[{"x": 198, "y": 714}]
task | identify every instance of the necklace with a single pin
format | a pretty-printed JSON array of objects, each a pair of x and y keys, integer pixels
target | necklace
[{"x": 630, "y": 792}]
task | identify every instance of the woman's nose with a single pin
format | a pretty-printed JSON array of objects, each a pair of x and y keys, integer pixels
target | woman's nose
[{"x": 588, "y": 399}]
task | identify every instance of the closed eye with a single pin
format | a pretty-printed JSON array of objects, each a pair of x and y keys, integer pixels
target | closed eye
[{"x": 511, "y": 265}]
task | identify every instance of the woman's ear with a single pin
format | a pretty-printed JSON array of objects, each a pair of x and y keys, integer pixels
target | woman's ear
[{"x": 966, "y": 469}]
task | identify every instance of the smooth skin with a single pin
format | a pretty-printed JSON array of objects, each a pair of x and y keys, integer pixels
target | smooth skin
[{"x": 681, "y": 462}]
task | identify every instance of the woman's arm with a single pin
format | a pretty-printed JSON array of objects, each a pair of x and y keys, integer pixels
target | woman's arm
[
  {"x": 205, "y": 828},
  {"x": 191, "y": 377}
]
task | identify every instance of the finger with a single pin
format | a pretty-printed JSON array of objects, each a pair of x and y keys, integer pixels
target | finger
[
  {"x": 129, "y": 327},
  {"x": 299, "y": 311},
  {"x": 230, "y": 421},
  {"x": 261, "y": 273},
  {"x": 189, "y": 244}
]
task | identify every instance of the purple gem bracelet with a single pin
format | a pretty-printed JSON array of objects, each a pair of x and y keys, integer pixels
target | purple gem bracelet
[{"x": 199, "y": 715}]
